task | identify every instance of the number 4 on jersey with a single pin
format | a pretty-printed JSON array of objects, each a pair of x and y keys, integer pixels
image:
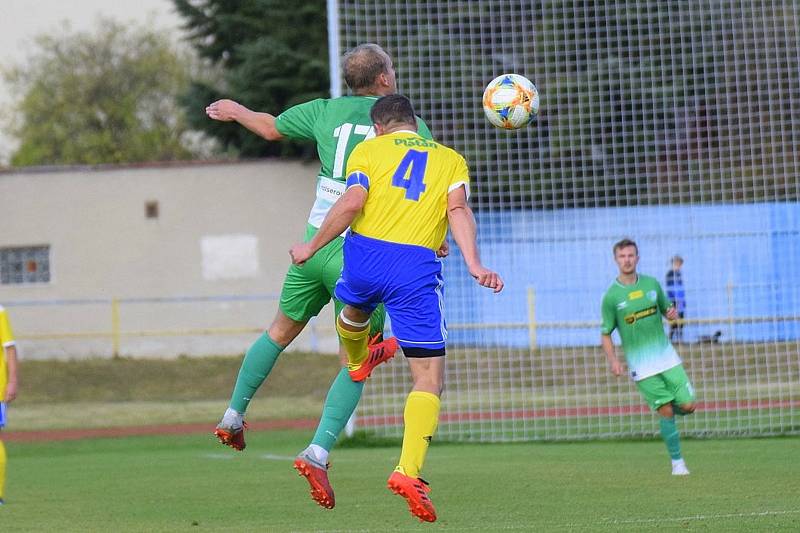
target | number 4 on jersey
[{"x": 410, "y": 174}]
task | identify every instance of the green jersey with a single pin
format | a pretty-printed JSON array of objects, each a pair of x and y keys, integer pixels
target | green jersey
[
  {"x": 337, "y": 125},
  {"x": 636, "y": 311}
]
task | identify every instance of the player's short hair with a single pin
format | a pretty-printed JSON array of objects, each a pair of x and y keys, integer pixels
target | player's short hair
[
  {"x": 363, "y": 64},
  {"x": 677, "y": 259},
  {"x": 392, "y": 110},
  {"x": 624, "y": 243}
]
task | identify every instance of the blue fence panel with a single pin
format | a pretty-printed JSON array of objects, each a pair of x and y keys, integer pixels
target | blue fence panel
[{"x": 740, "y": 261}]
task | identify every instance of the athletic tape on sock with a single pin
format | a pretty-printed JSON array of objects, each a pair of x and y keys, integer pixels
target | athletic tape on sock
[{"x": 351, "y": 323}]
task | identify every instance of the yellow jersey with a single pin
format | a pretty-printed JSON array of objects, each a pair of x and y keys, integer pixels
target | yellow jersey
[
  {"x": 6, "y": 339},
  {"x": 407, "y": 179}
]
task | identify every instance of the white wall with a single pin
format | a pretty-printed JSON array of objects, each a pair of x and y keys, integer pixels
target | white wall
[{"x": 103, "y": 246}]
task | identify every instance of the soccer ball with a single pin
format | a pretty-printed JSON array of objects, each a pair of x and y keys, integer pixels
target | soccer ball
[{"x": 510, "y": 101}]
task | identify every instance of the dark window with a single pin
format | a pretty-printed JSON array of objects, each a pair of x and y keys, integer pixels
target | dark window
[
  {"x": 25, "y": 264},
  {"x": 151, "y": 209}
]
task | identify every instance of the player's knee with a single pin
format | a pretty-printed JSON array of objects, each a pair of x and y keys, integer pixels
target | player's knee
[
  {"x": 432, "y": 384},
  {"x": 429, "y": 386},
  {"x": 283, "y": 329},
  {"x": 687, "y": 408},
  {"x": 666, "y": 410},
  {"x": 354, "y": 314}
]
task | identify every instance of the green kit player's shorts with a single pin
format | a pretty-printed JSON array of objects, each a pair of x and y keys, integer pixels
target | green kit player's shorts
[
  {"x": 669, "y": 386},
  {"x": 309, "y": 288}
]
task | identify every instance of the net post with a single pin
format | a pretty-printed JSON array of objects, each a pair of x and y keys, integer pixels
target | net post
[
  {"x": 350, "y": 427},
  {"x": 731, "y": 320},
  {"x": 115, "y": 332},
  {"x": 333, "y": 48},
  {"x": 532, "y": 319}
]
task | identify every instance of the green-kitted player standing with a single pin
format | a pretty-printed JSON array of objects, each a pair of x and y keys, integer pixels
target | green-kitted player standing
[{"x": 634, "y": 305}]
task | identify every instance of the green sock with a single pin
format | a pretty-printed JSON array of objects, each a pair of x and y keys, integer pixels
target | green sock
[
  {"x": 669, "y": 432},
  {"x": 342, "y": 400},
  {"x": 257, "y": 364}
]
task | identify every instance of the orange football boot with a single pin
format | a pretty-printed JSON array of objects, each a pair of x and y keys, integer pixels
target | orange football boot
[
  {"x": 415, "y": 491},
  {"x": 378, "y": 353},
  {"x": 317, "y": 476},
  {"x": 232, "y": 436}
]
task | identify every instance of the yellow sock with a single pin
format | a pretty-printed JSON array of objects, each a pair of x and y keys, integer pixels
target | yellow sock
[
  {"x": 355, "y": 344},
  {"x": 421, "y": 417},
  {"x": 2, "y": 469}
]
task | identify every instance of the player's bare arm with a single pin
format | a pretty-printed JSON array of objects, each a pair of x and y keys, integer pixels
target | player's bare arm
[
  {"x": 262, "y": 124},
  {"x": 338, "y": 219},
  {"x": 611, "y": 354},
  {"x": 464, "y": 230}
]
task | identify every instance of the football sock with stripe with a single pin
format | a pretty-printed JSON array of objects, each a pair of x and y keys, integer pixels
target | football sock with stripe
[
  {"x": 355, "y": 344},
  {"x": 256, "y": 366},
  {"x": 421, "y": 416},
  {"x": 669, "y": 432},
  {"x": 342, "y": 400}
]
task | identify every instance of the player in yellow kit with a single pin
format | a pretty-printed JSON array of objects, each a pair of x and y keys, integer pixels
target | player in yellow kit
[
  {"x": 402, "y": 193},
  {"x": 8, "y": 385}
]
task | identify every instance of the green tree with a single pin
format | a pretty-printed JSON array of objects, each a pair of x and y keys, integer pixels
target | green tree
[
  {"x": 107, "y": 96},
  {"x": 272, "y": 54}
]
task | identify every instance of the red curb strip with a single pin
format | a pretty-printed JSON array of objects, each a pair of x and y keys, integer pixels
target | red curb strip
[{"x": 371, "y": 421}]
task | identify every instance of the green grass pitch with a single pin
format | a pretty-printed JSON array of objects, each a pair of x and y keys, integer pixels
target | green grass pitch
[{"x": 190, "y": 483}]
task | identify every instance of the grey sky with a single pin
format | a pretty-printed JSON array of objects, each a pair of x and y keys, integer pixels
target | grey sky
[{"x": 22, "y": 20}]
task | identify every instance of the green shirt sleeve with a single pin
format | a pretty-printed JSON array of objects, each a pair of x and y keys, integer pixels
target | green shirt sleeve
[
  {"x": 423, "y": 130},
  {"x": 298, "y": 121},
  {"x": 609, "y": 315},
  {"x": 663, "y": 302}
]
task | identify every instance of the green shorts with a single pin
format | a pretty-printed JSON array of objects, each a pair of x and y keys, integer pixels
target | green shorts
[
  {"x": 669, "y": 386},
  {"x": 309, "y": 288}
]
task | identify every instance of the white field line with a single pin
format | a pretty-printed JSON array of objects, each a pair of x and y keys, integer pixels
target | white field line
[{"x": 589, "y": 526}]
